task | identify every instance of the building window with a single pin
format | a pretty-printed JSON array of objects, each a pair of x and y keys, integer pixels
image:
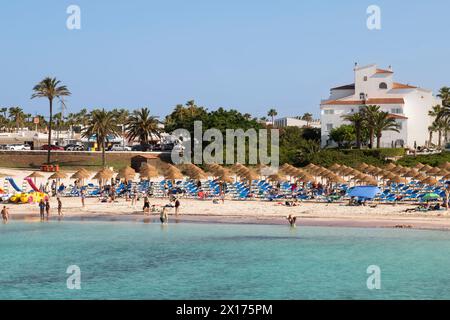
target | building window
[
  {"x": 328, "y": 111},
  {"x": 400, "y": 125},
  {"x": 329, "y": 126},
  {"x": 365, "y": 78},
  {"x": 397, "y": 111},
  {"x": 362, "y": 96},
  {"x": 383, "y": 86}
]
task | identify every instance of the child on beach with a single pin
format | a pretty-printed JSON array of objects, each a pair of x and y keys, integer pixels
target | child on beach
[
  {"x": 42, "y": 209},
  {"x": 82, "y": 196},
  {"x": 164, "y": 218},
  {"x": 5, "y": 215},
  {"x": 146, "y": 207},
  {"x": 177, "y": 206}
]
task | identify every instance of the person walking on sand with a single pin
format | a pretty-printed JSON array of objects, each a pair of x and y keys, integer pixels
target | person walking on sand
[
  {"x": 42, "y": 209},
  {"x": 83, "y": 196},
  {"x": 59, "y": 206},
  {"x": 177, "y": 206},
  {"x": 5, "y": 215}
]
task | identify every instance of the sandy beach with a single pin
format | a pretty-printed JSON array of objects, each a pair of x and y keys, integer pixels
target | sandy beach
[{"x": 234, "y": 211}]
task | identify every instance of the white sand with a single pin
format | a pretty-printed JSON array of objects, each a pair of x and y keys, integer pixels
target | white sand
[{"x": 252, "y": 211}]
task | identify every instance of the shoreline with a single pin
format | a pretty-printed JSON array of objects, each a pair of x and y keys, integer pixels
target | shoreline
[{"x": 411, "y": 223}]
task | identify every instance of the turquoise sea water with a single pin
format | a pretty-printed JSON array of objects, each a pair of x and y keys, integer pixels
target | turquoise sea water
[{"x": 121, "y": 260}]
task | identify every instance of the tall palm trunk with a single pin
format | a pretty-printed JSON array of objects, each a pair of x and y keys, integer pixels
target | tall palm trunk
[
  {"x": 378, "y": 141},
  {"x": 430, "y": 141},
  {"x": 358, "y": 137},
  {"x": 440, "y": 138},
  {"x": 50, "y": 131},
  {"x": 103, "y": 154},
  {"x": 371, "y": 133}
]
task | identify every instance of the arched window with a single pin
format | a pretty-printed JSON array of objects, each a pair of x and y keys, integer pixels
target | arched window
[{"x": 383, "y": 85}]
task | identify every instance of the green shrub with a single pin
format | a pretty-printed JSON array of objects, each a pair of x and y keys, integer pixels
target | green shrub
[{"x": 433, "y": 160}]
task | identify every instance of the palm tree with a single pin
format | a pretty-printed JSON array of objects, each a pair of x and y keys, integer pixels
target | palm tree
[
  {"x": 272, "y": 113},
  {"x": 4, "y": 111},
  {"x": 370, "y": 113},
  {"x": 444, "y": 94},
  {"x": 431, "y": 129},
  {"x": 17, "y": 116},
  {"x": 143, "y": 126},
  {"x": 357, "y": 120},
  {"x": 308, "y": 117},
  {"x": 102, "y": 124},
  {"x": 383, "y": 122},
  {"x": 50, "y": 88}
]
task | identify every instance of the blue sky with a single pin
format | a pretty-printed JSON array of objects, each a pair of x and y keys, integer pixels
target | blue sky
[{"x": 247, "y": 54}]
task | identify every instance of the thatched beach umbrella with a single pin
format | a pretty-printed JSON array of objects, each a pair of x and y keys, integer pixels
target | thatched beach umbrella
[
  {"x": 104, "y": 175},
  {"x": 425, "y": 168},
  {"x": 35, "y": 175},
  {"x": 147, "y": 172},
  {"x": 390, "y": 166},
  {"x": 419, "y": 166},
  {"x": 445, "y": 165},
  {"x": 335, "y": 167},
  {"x": 127, "y": 173},
  {"x": 172, "y": 173},
  {"x": 429, "y": 181}
]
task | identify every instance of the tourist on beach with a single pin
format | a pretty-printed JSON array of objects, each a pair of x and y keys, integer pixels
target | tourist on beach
[
  {"x": 47, "y": 208},
  {"x": 292, "y": 219},
  {"x": 146, "y": 207},
  {"x": 83, "y": 196},
  {"x": 177, "y": 206},
  {"x": 42, "y": 209},
  {"x": 5, "y": 215},
  {"x": 59, "y": 206},
  {"x": 164, "y": 218}
]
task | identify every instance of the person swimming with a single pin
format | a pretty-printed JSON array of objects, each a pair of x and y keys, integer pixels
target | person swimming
[{"x": 292, "y": 220}]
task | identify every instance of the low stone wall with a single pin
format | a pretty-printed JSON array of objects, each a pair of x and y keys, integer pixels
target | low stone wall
[{"x": 73, "y": 159}]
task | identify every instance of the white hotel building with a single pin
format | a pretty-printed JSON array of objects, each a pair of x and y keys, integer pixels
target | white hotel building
[{"x": 409, "y": 105}]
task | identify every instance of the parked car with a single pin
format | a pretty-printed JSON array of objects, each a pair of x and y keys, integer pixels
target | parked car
[
  {"x": 18, "y": 147},
  {"x": 52, "y": 147},
  {"x": 74, "y": 147},
  {"x": 119, "y": 148},
  {"x": 146, "y": 147}
]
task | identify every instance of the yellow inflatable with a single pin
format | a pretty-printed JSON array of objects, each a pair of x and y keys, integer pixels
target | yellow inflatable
[{"x": 32, "y": 197}]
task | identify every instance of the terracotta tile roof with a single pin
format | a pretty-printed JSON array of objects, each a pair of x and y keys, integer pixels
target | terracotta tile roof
[
  {"x": 383, "y": 71},
  {"x": 397, "y": 116},
  {"x": 364, "y": 102},
  {"x": 397, "y": 85}
]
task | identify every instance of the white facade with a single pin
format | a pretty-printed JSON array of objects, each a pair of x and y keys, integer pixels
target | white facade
[
  {"x": 409, "y": 105},
  {"x": 294, "y": 122}
]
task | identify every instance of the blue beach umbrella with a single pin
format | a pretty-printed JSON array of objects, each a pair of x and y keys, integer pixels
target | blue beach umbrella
[{"x": 366, "y": 192}]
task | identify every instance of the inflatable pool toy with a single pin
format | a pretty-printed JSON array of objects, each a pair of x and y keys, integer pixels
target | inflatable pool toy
[{"x": 27, "y": 197}]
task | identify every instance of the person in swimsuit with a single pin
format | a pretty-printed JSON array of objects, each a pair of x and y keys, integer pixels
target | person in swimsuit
[
  {"x": 47, "y": 208},
  {"x": 42, "y": 209},
  {"x": 164, "y": 218},
  {"x": 177, "y": 206},
  {"x": 5, "y": 215},
  {"x": 146, "y": 207},
  {"x": 292, "y": 219},
  {"x": 59, "y": 206}
]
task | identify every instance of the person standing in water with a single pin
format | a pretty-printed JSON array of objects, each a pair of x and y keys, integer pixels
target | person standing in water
[
  {"x": 292, "y": 220},
  {"x": 177, "y": 206},
  {"x": 5, "y": 215},
  {"x": 59, "y": 206},
  {"x": 164, "y": 218},
  {"x": 42, "y": 209},
  {"x": 146, "y": 207},
  {"x": 47, "y": 208}
]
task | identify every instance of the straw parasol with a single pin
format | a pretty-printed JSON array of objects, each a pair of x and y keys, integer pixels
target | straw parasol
[
  {"x": 434, "y": 171},
  {"x": 277, "y": 177},
  {"x": 148, "y": 171},
  {"x": 104, "y": 175},
  {"x": 127, "y": 173},
  {"x": 411, "y": 173},
  {"x": 335, "y": 167},
  {"x": 172, "y": 173},
  {"x": 58, "y": 176},
  {"x": 425, "y": 168},
  {"x": 445, "y": 165},
  {"x": 429, "y": 181},
  {"x": 419, "y": 166},
  {"x": 34, "y": 176},
  {"x": 390, "y": 166},
  {"x": 398, "y": 179}
]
